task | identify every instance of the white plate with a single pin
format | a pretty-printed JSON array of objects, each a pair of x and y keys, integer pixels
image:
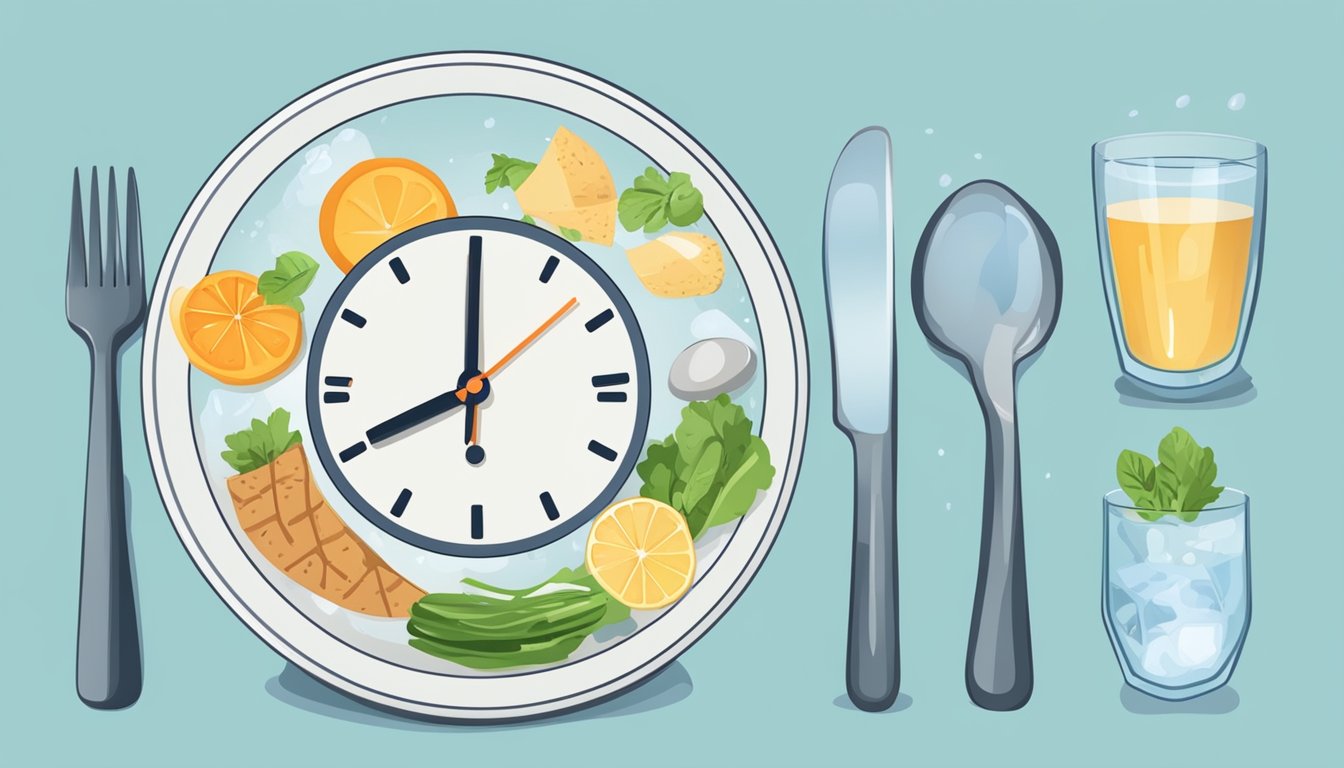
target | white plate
[{"x": 203, "y": 525}]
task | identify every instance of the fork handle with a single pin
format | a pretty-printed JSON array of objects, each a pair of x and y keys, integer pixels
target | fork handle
[{"x": 107, "y": 663}]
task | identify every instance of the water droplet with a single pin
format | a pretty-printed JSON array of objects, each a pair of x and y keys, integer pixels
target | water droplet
[
  {"x": 1133, "y": 113},
  {"x": 941, "y": 451},
  {"x": 1047, "y": 475},
  {"x": 506, "y": 206},
  {"x": 253, "y": 233},
  {"x": 260, "y": 223},
  {"x": 1183, "y": 101},
  {"x": 1237, "y": 101},
  {"x": 450, "y": 159},
  {"x": 928, "y": 131},
  {"x": 489, "y": 122},
  {"x": 944, "y": 180},
  {"x": 383, "y": 119},
  {"x": 948, "y": 506},
  {"x": 978, "y": 156}
]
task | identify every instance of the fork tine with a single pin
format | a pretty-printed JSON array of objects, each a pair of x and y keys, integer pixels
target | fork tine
[
  {"x": 95, "y": 245},
  {"x": 76, "y": 273},
  {"x": 135, "y": 257},
  {"x": 114, "y": 230}
]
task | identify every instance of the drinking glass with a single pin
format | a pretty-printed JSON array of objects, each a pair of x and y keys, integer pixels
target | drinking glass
[
  {"x": 1177, "y": 596},
  {"x": 1180, "y": 224}
]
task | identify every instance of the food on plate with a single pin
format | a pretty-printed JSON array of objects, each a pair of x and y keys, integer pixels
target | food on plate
[
  {"x": 641, "y": 552},
  {"x": 706, "y": 473},
  {"x": 237, "y": 330},
  {"x": 285, "y": 283},
  {"x": 1181, "y": 484},
  {"x": 710, "y": 468},
  {"x": 376, "y": 200},
  {"x": 678, "y": 265},
  {"x": 513, "y": 627},
  {"x": 508, "y": 172},
  {"x": 652, "y": 202},
  {"x": 570, "y": 188},
  {"x": 711, "y": 367},
  {"x": 297, "y": 531}
]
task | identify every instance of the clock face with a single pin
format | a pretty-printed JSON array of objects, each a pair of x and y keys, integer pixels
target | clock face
[{"x": 478, "y": 387}]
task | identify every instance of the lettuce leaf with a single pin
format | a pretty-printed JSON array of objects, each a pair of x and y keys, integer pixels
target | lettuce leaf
[{"x": 711, "y": 467}]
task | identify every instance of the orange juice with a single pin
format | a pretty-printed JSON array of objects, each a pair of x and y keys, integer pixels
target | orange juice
[{"x": 1180, "y": 274}]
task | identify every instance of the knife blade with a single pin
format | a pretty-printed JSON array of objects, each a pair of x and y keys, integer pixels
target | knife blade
[{"x": 859, "y": 270}]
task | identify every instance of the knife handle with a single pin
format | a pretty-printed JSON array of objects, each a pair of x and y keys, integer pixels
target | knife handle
[{"x": 873, "y": 663}]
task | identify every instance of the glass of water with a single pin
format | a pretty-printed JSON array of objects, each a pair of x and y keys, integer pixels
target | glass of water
[{"x": 1177, "y": 596}]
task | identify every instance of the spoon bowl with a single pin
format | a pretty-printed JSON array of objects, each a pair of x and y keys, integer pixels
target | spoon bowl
[{"x": 987, "y": 283}]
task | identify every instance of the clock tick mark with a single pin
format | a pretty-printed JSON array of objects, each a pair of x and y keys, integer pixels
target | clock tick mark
[
  {"x": 599, "y": 320},
  {"x": 611, "y": 397},
  {"x": 399, "y": 269},
  {"x": 355, "y": 450},
  {"x": 601, "y": 450},
  {"x": 477, "y": 521},
  {"x": 353, "y": 318},
  {"x": 344, "y": 397},
  {"x": 399, "y": 506},
  {"x": 611, "y": 379},
  {"x": 338, "y": 381},
  {"x": 548, "y": 504},
  {"x": 549, "y": 269}
]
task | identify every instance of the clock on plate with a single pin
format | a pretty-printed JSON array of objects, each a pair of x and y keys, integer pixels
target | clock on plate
[{"x": 478, "y": 386}]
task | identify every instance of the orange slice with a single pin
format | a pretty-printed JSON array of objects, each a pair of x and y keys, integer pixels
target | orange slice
[
  {"x": 376, "y": 200},
  {"x": 229, "y": 332},
  {"x": 640, "y": 551}
]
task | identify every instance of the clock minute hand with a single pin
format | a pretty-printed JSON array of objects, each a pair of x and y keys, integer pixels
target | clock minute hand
[
  {"x": 472, "y": 346},
  {"x": 471, "y": 365},
  {"x": 413, "y": 417}
]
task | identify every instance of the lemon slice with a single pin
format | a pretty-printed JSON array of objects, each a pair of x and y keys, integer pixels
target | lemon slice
[{"x": 640, "y": 551}]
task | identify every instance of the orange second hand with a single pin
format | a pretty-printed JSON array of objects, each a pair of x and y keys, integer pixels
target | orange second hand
[{"x": 530, "y": 338}]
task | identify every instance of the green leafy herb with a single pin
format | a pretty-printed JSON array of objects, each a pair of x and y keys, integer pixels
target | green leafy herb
[
  {"x": 653, "y": 201},
  {"x": 513, "y": 627},
  {"x": 262, "y": 443},
  {"x": 1181, "y": 484},
  {"x": 293, "y": 273},
  {"x": 711, "y": 467},
  {"x": 528, "y": 220},
  {"x": 507, "y": 172},
  {"x": 573, "y": 235}
]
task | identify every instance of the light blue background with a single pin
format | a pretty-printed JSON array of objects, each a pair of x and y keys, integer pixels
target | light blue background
[{"x": 774, "y": 91}]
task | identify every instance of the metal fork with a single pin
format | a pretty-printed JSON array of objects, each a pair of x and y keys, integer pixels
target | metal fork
[{"x": 105, "y": 304}]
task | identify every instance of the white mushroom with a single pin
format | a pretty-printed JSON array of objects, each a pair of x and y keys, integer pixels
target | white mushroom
[{"x": 710, "y": 367}]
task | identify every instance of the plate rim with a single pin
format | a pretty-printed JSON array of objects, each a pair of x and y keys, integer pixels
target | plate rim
[{"x": 750, "y": 219}]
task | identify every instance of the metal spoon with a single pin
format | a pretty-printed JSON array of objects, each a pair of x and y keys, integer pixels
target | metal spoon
[{"x": 986, "y": 285}]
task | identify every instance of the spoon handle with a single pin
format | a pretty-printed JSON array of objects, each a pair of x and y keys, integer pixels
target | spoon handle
[
  {"x": 873, "y": 661},
  {"x": 998, "y": 659}
]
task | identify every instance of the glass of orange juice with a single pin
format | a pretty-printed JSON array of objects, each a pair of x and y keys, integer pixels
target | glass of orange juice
[{"x": 1180, "y": 223}]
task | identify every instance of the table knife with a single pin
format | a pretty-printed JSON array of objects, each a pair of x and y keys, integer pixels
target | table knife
[{"x": 858, "y": 258}]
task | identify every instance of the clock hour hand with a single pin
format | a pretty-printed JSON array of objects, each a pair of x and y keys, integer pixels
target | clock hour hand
[{"x": 414, "y": 417}]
